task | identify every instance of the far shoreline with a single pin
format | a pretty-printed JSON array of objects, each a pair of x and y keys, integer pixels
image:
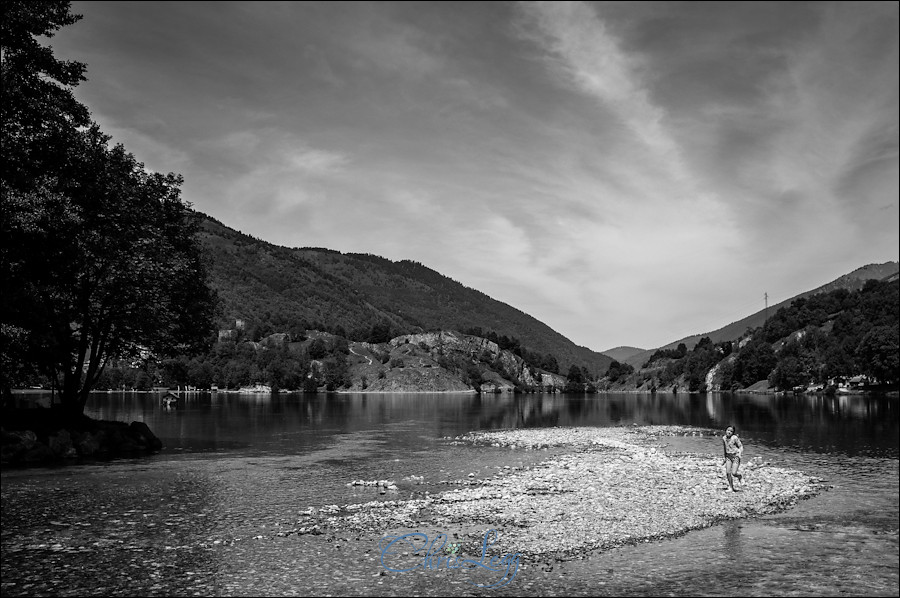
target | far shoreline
[{"x": 772, "y": 393}]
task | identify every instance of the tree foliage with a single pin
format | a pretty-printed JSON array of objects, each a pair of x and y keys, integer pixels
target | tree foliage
[
  {"x": 879, "y": 353},
  {"x": 617, "y": 372},
  {"x": 38, "y": 109},
  {"x": 373, "y": 299},
  {"x": 100, "y": 258},
  {"x": 575, "y": 380},
  {"x": 676, "y": 353},
  {"x": 838, "y": 334}
]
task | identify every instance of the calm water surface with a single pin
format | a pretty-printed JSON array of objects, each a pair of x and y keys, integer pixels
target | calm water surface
[{"x": 202, "y": 516}]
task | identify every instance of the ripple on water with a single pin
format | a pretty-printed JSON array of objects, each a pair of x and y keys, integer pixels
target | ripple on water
[{"x": 120, "y": 530}]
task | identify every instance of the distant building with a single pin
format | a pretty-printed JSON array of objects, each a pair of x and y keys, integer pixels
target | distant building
[{"x": 231, "y": 333}]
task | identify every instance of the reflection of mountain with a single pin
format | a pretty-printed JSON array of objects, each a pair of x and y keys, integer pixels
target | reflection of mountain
[
  {"x": 311, "y": 422},
  {"x": 810, "y": 422},
  {"x": 544, "y": 410}
]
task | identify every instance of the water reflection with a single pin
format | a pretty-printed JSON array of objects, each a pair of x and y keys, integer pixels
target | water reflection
[
  {"x": 733, "y": 544},
  {"x": 259, "y": 459},
  {"x": 866, "y": 425}
]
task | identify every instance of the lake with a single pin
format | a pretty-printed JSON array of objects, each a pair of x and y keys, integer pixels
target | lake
[{"x": 204, "y": 515}]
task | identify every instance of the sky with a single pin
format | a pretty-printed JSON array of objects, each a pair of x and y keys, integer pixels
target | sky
[{"x": 627, "y": 173}]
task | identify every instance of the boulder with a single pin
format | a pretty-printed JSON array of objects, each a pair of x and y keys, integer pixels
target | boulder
[
  {"x": 37, "y": 453},
  {"x": 60, "y": 444},
  {"x": 12, "y": 452},
  {"x": 27, "y": 438},
  {"x": 86, "y": 444},
  {"x": 142, "y": 431},
  {"x": 117, "y": 439}
]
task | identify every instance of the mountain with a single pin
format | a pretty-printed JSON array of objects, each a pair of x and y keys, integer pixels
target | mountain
[
  {"x": 620, "y": 354},
  {"x": 281, "y": 289},
  {"x": 852, "y": 282}
]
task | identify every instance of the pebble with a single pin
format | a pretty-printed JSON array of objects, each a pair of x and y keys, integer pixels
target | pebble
[{"x": 613, "y": 488}]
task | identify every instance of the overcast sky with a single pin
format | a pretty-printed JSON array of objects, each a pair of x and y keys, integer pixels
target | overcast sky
[{"x": 628, "y": 173}]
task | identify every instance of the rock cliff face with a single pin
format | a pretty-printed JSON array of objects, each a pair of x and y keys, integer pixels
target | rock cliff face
[
  {"x": 714, "y": 375},
  {"x": 412, "y": 379},
  {"x": 444, "y": 361},
  {"x": 447, "y": 340}
]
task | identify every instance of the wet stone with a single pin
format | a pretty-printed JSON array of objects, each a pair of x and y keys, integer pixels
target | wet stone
[{"x": 615, "y": 487}]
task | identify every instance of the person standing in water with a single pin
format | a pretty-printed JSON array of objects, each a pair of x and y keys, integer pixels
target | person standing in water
[{"x": 733, "y": 451}]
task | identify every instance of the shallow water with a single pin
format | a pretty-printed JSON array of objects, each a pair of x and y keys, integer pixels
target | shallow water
[{"x": 203, "y": 515}]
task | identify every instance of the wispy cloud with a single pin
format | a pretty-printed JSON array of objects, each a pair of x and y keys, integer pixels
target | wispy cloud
[
  {"x": 583, "y": 48},
  {"x": 265, "y": 172},
  {"x": 275, "y": 151},
  {"x": 626, "y": 172},
  {"x": 819, "y": 153},
  {"x": 315, "y": 161}
]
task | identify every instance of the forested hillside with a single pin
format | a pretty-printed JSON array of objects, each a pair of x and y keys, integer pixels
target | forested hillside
[
  {"x": 852, "y": 281},
  {"x": 817, "y": 341},
  {"x": 278, "y": 289}
]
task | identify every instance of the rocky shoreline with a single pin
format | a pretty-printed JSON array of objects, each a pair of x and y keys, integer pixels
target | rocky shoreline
[
  {"x": 45, "y": 436},
  {"x": 612, "y": 486}
]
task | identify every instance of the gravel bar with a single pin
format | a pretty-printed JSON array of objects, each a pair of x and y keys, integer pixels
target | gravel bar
[{"x": 613, "y": 486}]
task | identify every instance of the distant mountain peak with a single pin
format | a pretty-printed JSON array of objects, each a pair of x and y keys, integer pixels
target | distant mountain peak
[{"x": 620, "y": 354}]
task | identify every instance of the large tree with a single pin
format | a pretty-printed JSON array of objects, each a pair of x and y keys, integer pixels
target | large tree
[
  {"x": 575, "y": 380},
  {"x": 99, "y": 258},
  {"x": 879, "y": 353},
  {"x": 38, "y": 111}
]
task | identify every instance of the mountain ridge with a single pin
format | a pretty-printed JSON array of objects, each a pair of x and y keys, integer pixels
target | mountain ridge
[
  {"x": 851, "y": 281},
  {"x": 620, "y": 354},
  {"x": 277, "y": 288}
]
